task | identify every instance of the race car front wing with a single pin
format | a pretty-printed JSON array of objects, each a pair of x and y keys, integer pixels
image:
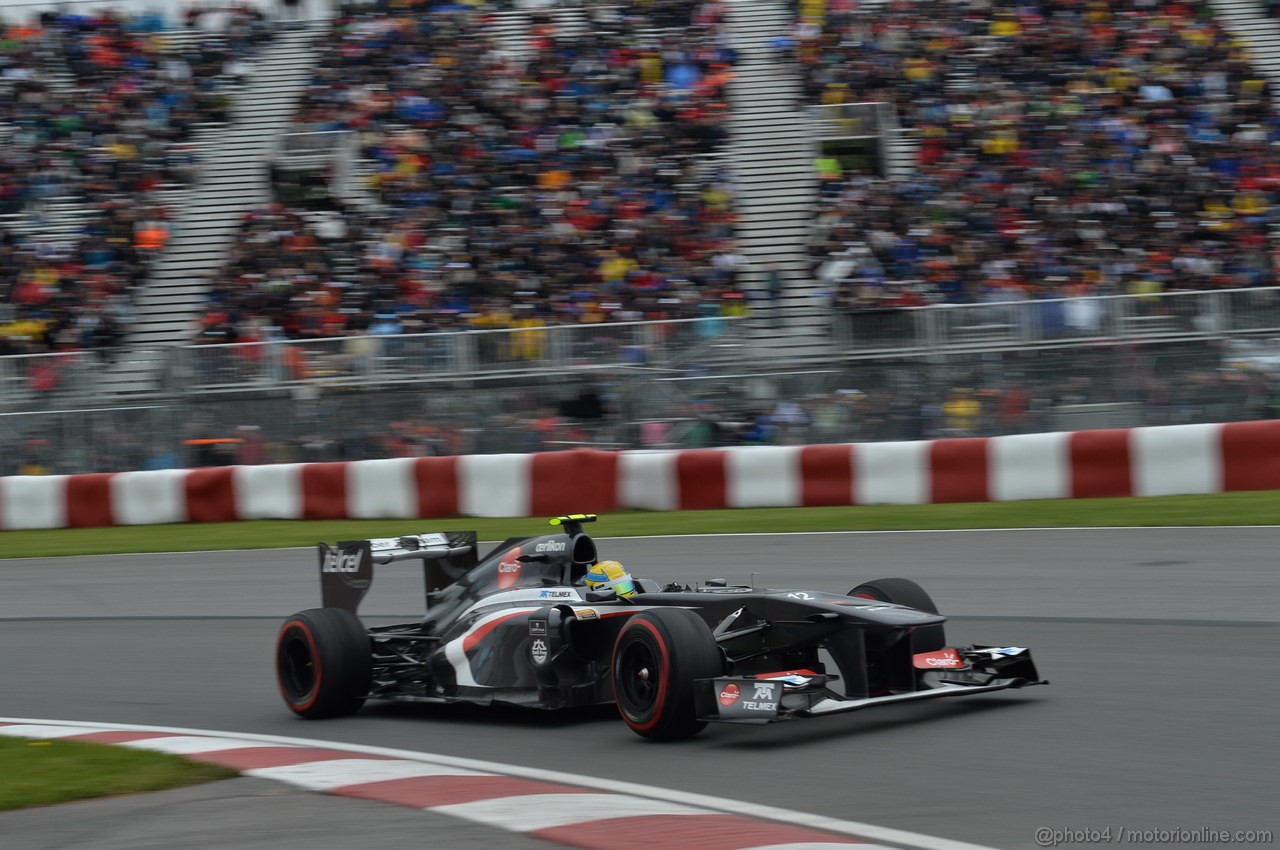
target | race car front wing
[{"x": 769, "y": 698}]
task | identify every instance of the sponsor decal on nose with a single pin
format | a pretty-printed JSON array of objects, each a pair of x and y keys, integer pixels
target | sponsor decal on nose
[{"x": 944, "y": 659}]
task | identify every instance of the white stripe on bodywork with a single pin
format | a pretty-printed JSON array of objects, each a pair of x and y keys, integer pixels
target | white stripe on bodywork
[
  {"x": 543, "y": 811},
  {"x": 522, "y": 594},
  {"x": 339, "y": 773},
  {"x": 457, "y": 657}
]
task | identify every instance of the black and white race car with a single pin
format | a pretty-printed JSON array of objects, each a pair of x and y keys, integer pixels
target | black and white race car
[{"x": 520, "y": 627}]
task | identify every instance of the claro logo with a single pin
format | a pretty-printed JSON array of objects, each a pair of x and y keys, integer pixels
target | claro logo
[
  {"x": 942, "y": 658},
  {"x": 341, "y": 562},
  {"x": 509, "y": 569}
]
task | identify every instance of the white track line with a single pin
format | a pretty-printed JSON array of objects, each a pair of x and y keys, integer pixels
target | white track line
[{"x": 630, "y": 790}]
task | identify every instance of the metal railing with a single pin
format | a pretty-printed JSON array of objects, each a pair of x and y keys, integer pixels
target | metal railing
[
  {"x": 29, "y": 380},
  {"x": 315, "y": 10},
  {"x": 1058, "y": 321},
  {"x": 441, "y": 356},
  {"x": 852, "y": 120},
  {"x": 312, "y": 143}
]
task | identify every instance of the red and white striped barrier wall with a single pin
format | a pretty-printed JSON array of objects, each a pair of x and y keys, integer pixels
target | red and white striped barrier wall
[{"x": 1160, "y": 461}]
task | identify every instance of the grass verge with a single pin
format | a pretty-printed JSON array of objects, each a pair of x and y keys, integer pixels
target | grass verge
[
  {"x": 1248, "y": 508},
  {"x": 42, "y": 773}
]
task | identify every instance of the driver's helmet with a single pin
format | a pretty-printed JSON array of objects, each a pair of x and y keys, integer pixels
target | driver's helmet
[{"x": 608, "y": 575}]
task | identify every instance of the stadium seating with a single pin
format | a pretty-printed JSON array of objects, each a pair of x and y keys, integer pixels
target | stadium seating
[
  {"x": 1066, "y": 148},
  {"x": 562, "y": 178},
  {"x": 96, "y": 114}
]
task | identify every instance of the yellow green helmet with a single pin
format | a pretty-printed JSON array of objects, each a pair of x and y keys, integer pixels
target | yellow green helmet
[{"x": 611, "y": 575}]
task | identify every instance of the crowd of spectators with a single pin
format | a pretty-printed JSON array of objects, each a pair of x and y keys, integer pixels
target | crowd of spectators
[
  {"x": 97, "y": 113},
  {"x": 561, "y": 180},
  {"x": 1067, "y": 147}
]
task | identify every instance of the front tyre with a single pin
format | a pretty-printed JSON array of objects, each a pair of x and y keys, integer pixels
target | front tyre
[
  {"x": 324, "y": 663},
  {"x": 656, "y": 658},
  {"x": 904, "y": 591}
]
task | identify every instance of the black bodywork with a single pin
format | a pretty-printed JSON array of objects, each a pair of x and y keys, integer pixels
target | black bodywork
[{"x": 519, "y": 627}]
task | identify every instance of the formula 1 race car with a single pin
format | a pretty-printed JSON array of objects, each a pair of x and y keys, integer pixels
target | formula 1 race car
[{"x": 521, "y": 626}]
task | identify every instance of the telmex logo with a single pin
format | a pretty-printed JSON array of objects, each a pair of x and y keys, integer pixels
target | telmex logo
[
  {"x": 341, "y": 562},
  {"x": 551, "y": 546}
]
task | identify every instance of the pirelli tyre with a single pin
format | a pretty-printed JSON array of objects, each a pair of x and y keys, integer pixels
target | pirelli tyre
[
  {"x": 656, "y": 658},
  {"x": 324, "y": 663},
  {"x": 904, "y": 591}
]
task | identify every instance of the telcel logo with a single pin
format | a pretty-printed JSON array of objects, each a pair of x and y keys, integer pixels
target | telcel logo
[{"x": 341, "y": 562}]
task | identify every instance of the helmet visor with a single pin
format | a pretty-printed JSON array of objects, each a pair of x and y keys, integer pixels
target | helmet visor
[{"x": 623, "y": 586}]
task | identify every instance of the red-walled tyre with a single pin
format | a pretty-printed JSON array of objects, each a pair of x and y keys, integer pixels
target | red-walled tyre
[
  {"x": 656, "y": 658},
  {"x": 324, "y": 663},
  {"x": 904, "y": 591}
]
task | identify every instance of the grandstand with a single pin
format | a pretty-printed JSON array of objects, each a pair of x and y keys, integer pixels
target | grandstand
[{"x": 289, "y": 226}]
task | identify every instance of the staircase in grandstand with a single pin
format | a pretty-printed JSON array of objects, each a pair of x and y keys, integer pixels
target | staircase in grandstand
[
  {"x": 62, "y": 216},
  {"x": 1248, "y": 21},
  {"x": 771, "y": 149},
  {"x": 512, "y": 28},
  {"x": 232, "y": 180}
]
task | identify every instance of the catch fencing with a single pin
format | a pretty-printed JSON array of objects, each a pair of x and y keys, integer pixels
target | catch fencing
[
  {"x": 1088, "y": 320},
  {"x": 441, "y": 356}
]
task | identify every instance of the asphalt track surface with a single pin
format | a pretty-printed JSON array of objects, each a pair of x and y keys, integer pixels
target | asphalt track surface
[{"x": 1161, "y": 645}]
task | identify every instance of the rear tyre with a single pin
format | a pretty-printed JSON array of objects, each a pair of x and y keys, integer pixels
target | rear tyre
[
  {"x": 904, "y": 591},
  {"x": 656, "y": 658},
  {"x": 324, "y": 663}
]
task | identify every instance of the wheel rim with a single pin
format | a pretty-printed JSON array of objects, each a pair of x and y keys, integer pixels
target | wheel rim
[
  {"x": 638, "y": 677},
  {"x": 297, "y": 666}
]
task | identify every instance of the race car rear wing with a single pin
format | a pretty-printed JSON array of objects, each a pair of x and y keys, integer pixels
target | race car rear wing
[{"x": 346, "y": 569}]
